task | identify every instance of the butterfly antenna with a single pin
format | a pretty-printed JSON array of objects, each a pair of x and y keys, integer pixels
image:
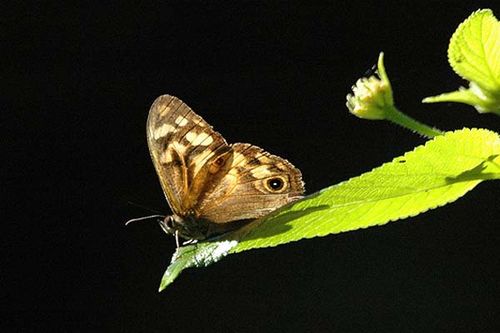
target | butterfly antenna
[
  {"x": 145, "y": 218},
  {"x": 370, "y": 71},
  {"x": 143, "y": 207}
]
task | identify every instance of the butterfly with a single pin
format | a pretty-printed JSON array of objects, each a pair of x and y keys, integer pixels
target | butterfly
[{"x": 213, "y": 187}]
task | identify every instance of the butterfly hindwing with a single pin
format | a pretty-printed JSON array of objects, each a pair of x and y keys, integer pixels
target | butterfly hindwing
[{"x": 257, "y": 183}]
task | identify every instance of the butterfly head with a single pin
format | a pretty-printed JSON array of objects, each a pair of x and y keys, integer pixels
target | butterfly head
[{"x": 186, "y": 227}]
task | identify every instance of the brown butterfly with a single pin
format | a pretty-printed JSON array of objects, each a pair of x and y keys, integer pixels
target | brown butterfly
[{"x": 213, "y": 187}]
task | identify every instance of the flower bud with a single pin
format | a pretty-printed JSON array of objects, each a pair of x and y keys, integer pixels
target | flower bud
[{"x": 370, "y": 98}]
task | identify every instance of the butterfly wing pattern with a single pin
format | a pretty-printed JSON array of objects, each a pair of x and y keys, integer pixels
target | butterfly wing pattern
[{"x": 213, "y": 187}]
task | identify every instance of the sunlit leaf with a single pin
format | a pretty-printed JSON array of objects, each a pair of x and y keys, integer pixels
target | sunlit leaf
[
  {"x": 474, "y": 50},
  {"x": 430, "y": 176}
]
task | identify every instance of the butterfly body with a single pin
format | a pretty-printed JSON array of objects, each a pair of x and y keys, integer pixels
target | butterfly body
[{"x": 211, "y": 186}]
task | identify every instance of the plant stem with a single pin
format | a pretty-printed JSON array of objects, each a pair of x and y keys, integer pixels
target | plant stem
[{"x": 396, "y": 116}]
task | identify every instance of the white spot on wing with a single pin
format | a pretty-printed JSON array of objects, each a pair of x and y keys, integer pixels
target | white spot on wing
[
  {"x": 164, "y": 111},
  {"x": 181, "y": 121},
  {"x": 166, "y": 157},
  {"x": 163, "y": 130},
  {"x": 201, "y": 159},
  {"x": 260, "y": 172},
  {"x": 238, "y": 158},
  {"x": 202, "y": 139},
  {"x": 179, "y": 148}
]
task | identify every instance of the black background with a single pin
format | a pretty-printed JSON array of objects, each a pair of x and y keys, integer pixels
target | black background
[{"x": 78, "y": 83}]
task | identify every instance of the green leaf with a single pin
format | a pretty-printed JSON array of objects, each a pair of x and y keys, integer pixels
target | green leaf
[
  {"x": 465, "y": 96},
  {"x": 195, "y": 255},
  {"x": 474, "y": 54},
  {"x": 430, "y": 176},
  {"x": 474, "y": 50}
]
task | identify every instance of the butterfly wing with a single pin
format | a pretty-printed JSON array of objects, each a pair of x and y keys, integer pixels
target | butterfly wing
[
  {"x": 205, "y": 178},
  {"x": 188, "y": 155},
  {"x": 256, "y": 184}
]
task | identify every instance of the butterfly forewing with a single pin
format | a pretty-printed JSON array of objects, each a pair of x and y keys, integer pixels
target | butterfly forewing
[{"x": 181, "y": 143}]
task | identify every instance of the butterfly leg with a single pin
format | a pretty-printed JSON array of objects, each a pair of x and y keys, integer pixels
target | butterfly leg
[
  {"x": 190, "y": 241},
  {"x": 177, "y": 238}
]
